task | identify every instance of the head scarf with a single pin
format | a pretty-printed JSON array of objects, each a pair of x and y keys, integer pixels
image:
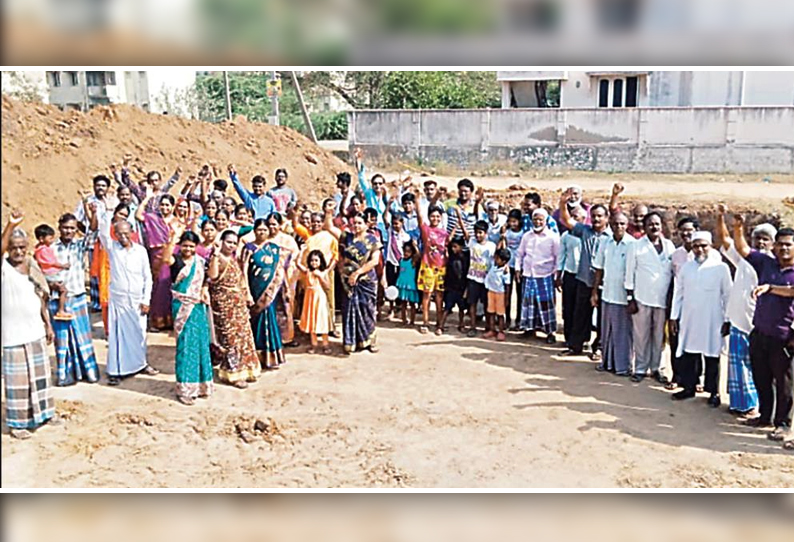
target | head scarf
[{"x": 765, "y": 228}]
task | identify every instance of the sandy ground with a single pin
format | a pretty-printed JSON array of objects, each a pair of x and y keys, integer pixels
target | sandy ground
[{"x": 425, "y": 412}]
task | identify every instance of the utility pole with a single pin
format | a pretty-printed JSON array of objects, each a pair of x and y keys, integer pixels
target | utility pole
[
  {"x": 306, "y": 119},
  {"x": 274, "y": 102},
  {"x": 227, "y": 95}
]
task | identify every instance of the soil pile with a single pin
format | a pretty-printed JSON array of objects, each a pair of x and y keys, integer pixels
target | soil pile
[{"x": 48, "y": 154}]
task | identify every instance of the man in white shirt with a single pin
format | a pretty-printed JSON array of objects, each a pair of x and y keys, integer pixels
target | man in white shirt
[
  {"x": 700, "y": 316},
  {"x": 26, "y": 332},
  {"x": 610, "y": 272},
  {"x": 742, "y": 394},
  {"x": 128, "y": 306},
  {"x": 649, "y": 273}
]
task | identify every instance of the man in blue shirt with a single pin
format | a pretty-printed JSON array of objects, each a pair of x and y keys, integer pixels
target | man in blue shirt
[{"x": 260, "y": 203}]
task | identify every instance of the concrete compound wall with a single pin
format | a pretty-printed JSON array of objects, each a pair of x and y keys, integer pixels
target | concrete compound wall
[{"x": 653, "y": 139}]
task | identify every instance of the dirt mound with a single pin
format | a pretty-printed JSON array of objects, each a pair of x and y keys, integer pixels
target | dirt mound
[{"x": 48, "y": 154}]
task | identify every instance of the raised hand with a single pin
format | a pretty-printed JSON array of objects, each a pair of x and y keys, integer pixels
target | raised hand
[
  {"x": 358, "y": 154},
  {"x": 16, "y": 217},
  {"x": 738, "y": 220},
  {"x": 617, "y": 189},
  {"x": 178, "y": 170},
  {"x": 113, "y": 168},
  {"x": 722, "y": 208},
  {"x": 479, "y": 194}
]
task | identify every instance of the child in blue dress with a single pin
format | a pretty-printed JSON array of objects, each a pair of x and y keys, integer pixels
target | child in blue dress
[{"x": 406, "y": 282}]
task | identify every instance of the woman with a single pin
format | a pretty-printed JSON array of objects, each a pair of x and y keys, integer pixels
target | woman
[
  {"x": 159, "y": 226},
  {"x": 210, "y": 208},
  {"x": 359, "y": 254},
  {"x": 100, "y": 266},
  {"x": 182, "y": 214},
  {"x": 209, "y": 236},
  {"x": 230, "y": 299},
  {"x": 222, "y": 220},
  {"x": 289, "y": 253},
  {"x": 266, "y": 277},
  {"x": 191, "y": 325}
]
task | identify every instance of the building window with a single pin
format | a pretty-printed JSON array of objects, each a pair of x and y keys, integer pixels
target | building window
[
  {"x": 73, "y": 79},
  {"x": 55, "y": 78},
  {"x": 100, "y": 79},
  {"x": 618, "y": 92}
]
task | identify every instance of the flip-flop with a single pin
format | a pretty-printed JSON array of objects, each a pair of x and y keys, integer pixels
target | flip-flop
[
  {"x": 423, "y": 330},
  {"x": 439, "y": 331},
  {"x": 788, "y": 445},
  {"x": 471, "y": 333}
]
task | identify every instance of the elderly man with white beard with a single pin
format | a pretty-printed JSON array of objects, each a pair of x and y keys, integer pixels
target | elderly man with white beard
[{"x": 700, "y": 317}]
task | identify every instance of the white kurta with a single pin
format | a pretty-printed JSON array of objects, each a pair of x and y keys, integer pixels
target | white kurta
[
  {"x": 130, "y": 287},
  {"x": 700, "y": 304}
]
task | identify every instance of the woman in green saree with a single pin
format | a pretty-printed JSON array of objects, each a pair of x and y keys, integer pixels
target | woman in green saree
[
  {"x": 191, "y": 323},
  {"x": 266, "y": 277}
]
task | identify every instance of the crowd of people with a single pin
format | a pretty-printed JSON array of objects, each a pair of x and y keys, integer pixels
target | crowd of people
[{"x": 240, "y": 280}]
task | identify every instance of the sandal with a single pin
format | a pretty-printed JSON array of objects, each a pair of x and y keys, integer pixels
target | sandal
[
  {"x": 788, "y": 445},
  {"x": 150, "y": 371},
  {"x": 373, "y": 349},
  {"x": 189, "y": 401},
  {"x": 671, "y": 386},
  {"x": 423, "y": 330},
  {"x": 311, "y": 350},
  {"x": 779, "y": 434},
  {"x": 439, "y": 331},
  {"x": 500, "y": 336},
  {"x": 240, "y": 384},
  {"x": 471, "y": 333},
  {"x": 114, "y": 381},
  {"x": 327, "y": 350}
]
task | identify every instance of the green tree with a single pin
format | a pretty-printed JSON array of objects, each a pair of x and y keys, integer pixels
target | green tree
[{"x": 440, "y": 90}]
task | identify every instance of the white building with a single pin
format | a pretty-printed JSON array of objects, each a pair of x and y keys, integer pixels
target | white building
[
  {"x": 158, "y": 90},
  {"x": 647, "y": 88}
]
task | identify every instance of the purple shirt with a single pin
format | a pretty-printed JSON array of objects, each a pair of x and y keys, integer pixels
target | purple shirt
[{"x": 774, "y": 314}]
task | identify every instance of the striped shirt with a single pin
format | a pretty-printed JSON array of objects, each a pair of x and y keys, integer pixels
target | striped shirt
[{"x": 73, "y": 254}]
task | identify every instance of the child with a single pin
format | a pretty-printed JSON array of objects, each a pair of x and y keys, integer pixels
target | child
[
  {"x": 434, "y": 261},
  {"x": 410, "y": 220},
  {"x": 511, "y": 239},
  {"x": 406, "y": 281},
  {"x": 496, "y": 281},
  {"x": 481, "y": 252},
  {"x": 398, "y": 238},
  {"x": 52, "y": 268},
  {"x": 314, "y": 316},
  {"x": 455, "y": 282}
]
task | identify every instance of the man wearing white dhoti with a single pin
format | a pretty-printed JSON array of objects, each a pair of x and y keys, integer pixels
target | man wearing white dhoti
[
  {"x": 128, "y": 305},
  {"x": 700, "y": 316}
]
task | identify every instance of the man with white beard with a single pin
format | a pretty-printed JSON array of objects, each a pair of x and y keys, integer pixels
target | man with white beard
[{"x": 700, "y": 317}]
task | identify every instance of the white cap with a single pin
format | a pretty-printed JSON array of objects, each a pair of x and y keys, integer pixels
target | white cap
[{"x": 701, "y": 234}]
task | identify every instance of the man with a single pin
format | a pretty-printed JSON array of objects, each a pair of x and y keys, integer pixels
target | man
[
  {"x": 583, "y": 308},
  {"x": 610, "y": 271},
  {"x": 636, "y": 226},
  {"x": 784, "y": 291},
  {"x": 282, "y": 195},
  {"x": 73, "y": 345},
  {"x": 374, "y": 192},
  {"x": 700, "y": 318},
  {"x": 649, "y": 274},
  {"x": 536, "y": 262},
  {"x": 128, "y": 305},
  {"x": 26, "y": 333},
  {"x": 256, "y": 200},
  {"x": 742, "y": 395},
  {"x": 575, "y": 201},
  {"x": 465, "y": 204},
  {"x": 531, "y": 202},
  {"x": 496, "y": 221},
  {"x": 772, "y": 339},
  {"x": 325, "y": 242},
  {"x": 103, "y": 200},
  {"x": 430, "y": 191},
  {"x": 568, "y": 265},
  {"x": 686, "y": 227}
]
